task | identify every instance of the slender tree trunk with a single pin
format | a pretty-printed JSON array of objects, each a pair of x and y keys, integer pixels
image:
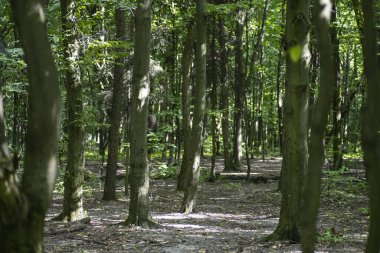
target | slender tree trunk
[
  {"x": 139, "y": 213},
  {"x": 23, "y": 208},
  {"x": 214, "y": 99},
  {"x": 239, "y": 89},
  {"x": 336, "y": 120},
  {"x": 279, "y": 78},
  {"x": 371, "y": 124},
  {"x": 74, "y": 178},
  {"x": 321, "y": 17},
  {"x": 117, "y": 96},
  {"x": 194, "y": 157},
  {"x": 224, "y": 97},
  {"x": 186, "y": 117},
  {"x": 295, "y": 150}
]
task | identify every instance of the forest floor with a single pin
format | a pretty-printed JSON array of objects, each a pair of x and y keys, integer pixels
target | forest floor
[{"x": 232, "y": 215}]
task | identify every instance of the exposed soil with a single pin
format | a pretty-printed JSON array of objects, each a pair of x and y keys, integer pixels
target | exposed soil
[{"x": 231, "y": 216}]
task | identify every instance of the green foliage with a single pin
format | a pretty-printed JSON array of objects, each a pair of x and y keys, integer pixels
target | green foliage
[
  {"x": 330, "y": 236},
  {"x": 232, "y": 186},
  {"x": 342, "y": 188},
  {"x": 363, "y": 211},
  {"x": 161, "y": 170},
  {"x": 204, "y": 174}
]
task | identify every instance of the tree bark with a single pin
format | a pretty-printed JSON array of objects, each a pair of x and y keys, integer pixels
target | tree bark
[
  {"x": 213, "y": 99},
  {"x": 117, "y": 96},
  {"x": 186, "y": 94},
  {"x": 74, "y": 177},
  {"x": 224, "y": 97},
  {"x": 239, "y": 90},
  {"x": 279, "y": 78},
  {"x": 194, "y": 157},
  {"x": 371, "y": 124},
  {"x": 321, "y": 17},
  {"x": 139, "y": 213},
  {"x": 295, "y": 150},
  {"x": 23, "y": 208},
  {"x": 336, "y": 107}
]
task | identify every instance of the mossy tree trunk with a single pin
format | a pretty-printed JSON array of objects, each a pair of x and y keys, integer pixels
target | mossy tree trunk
[
  {"x": 295, "y": 151},
  {"x": 371, "y": 124},
  {"x": 23, "y": 208},
  {"x": 74, "y": 177},
  {"x": 194, "y": 157},
  {"x": 321, "y": 17},
  {"x": 117, "y": 105},
  {"x": 139, "y": 174}
]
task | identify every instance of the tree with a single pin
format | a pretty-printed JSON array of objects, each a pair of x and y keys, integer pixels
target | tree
[
  {"x": 295, "y": 149},
  {"x": 74, "y": 173},
  {"x": 336, "y": 117},
  {"x": 139, "y": 178},
  {"x": 321, "y": 17},
  {"x": 186, "y": 117},
  {"x": 23, "y": 208},
  {"x": 371, "y": 123},
  {"x": 224, "y": 95},
  {"x": 239, "y": 89},
  {"x": 117, "y": 105},
  {"x": 189, "y": 199}
]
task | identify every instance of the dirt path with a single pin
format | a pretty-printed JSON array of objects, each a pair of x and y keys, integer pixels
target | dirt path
[{"x": 232, "y": 216}]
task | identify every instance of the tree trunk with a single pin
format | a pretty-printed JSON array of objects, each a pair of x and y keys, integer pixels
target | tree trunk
[
  {"x": 295, "y": 119},
  {"x": 336, "y": 107},
  {"x": 74, "y": 178},
  {"x": 224, "y": 97},
  {"x": 194, "y": 157},
  {"x": 23, "y": 209},
  {"x": 139, "y": 213},
  {"x": 371, "y": 124},
  {"x": 279, "y": 78},
  {"x": 319, "y": 118},
  {"x": 186, "y": 117},
  {"x": 117, "y": 96},
  {"x": 239, "y": 90},
  {"x": 214, "y": 99}
]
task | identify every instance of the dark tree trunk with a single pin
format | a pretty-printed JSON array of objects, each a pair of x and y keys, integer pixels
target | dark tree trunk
[
  {"x": 194, "y": 157},
  {"x": 336, "y": 107},
  {"x": 224, "y": 97},
  {"x": 117, "y": 105},
  {"x": 319, "y": 118},
  {"x": 214, "y": 100},
  {"x": 371, "y": 124},
  {"x": 186, "y": 94},
  {"x": 139, "y": 213},
  {"x": 295, "y": 150},
  {"x": 23, "y": 209},
  {"x": 279, "y": 78},
  {"x": 239, "y": 90},
  {"x": 74, "y": 177}
]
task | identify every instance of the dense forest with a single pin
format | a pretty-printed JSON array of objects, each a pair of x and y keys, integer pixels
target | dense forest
[{"x": 189, "y": 126}]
